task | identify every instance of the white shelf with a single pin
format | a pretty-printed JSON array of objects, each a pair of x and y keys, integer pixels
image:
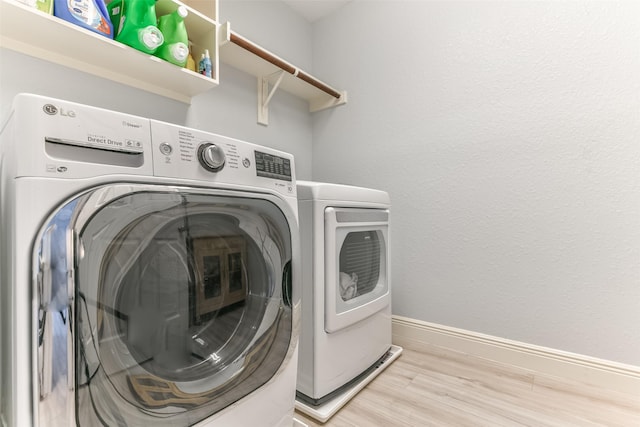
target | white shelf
[
  {"x": 35, "y": 33},
  {"x": 233, "y": 54}
]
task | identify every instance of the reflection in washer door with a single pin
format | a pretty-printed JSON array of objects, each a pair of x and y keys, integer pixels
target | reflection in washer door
[{"x": 179, "y": 306}]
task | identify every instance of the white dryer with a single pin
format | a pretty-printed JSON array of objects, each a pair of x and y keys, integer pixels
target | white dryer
[
  {"x": 148, "y": 273},
  {"x": 346, "y": 289}
]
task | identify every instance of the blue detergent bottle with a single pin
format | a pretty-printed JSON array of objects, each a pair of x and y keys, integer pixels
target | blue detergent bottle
[{"x": 89, "y": 14}]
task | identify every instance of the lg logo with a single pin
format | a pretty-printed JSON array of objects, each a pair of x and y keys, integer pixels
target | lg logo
[{"x": 51, "y": 110}]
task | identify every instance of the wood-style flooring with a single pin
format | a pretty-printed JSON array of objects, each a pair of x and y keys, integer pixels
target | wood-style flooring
[{"x": 432, "y": 386}]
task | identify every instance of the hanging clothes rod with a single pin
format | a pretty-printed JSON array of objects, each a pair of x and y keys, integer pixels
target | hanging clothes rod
[{"x": 271, "y": 58}]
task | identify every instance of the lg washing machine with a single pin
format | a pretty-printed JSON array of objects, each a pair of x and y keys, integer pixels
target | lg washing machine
[{"x": 148, "y": 273}]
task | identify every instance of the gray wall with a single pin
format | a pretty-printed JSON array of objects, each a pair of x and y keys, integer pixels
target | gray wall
[
  {"x": 229, "y": 109},
  {"x": 508, "y": 135}
]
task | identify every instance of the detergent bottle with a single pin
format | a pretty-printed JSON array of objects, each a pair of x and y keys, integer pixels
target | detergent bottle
[
  {"x": 45, "y": 6},
  {"x": 136, "y": 24},
  {"x": 89, "y": 14},
  {"x": 205, "y": 64},
  {"x": 114, "y": 10},
  {"x": 191, "y": 63},
  {"x": 201, "y": 64},
  {"x": 176, "y": 41}
]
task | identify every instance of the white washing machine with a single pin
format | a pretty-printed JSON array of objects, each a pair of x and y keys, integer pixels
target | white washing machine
[
  {"x": 346, "y": 294},
  {"x": 148, "y": 273}
]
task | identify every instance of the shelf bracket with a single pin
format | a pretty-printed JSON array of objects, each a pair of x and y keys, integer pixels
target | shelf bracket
[{"x": 264, "y": 95}]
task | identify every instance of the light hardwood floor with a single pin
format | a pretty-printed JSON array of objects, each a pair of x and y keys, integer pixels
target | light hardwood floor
[{"x": 431, "y": 386}]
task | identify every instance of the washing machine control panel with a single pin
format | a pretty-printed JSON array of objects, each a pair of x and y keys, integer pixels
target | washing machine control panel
[
  {"x": 211, "y": 156},
  {"x": 64, "y": 139},
  {"x": 181, "y": 152},
  {"x": 271, "y": 166}
]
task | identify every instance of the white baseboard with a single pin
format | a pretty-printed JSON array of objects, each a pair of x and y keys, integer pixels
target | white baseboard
[{"x": 410, "y": 333}]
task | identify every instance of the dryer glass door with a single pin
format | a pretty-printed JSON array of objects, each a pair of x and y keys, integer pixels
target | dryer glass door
[
  {"x": 356, "y": 265},
  {"x": 182, "y": 302}
]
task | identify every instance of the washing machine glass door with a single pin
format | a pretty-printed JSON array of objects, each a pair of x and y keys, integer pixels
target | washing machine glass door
[{"x": 182, "y": 302}]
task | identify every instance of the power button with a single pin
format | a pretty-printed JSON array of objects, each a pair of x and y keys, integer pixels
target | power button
[{"x": 166, "y": 149}]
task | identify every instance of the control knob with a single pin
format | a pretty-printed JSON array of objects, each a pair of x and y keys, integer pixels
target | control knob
[{"x": 211, "y": 156}]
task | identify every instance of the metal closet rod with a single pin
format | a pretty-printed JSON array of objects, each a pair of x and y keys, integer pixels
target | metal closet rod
[{"x": 269, "y": 57}]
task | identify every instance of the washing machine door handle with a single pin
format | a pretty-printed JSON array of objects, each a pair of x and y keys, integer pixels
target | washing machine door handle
[
  {"x": 54, "y": 270},
  {"x": 287, "y": 284},
  {"x": 44, "y": 277},
  {"x": 53, "y": 297}
]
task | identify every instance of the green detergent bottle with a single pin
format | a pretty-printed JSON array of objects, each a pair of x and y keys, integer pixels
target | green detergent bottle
[
  {"x": 114, "y": 11},
  {"x": 134, "y": 23},
  {"x": 45, "y": 6},
  {"x": 176, "y": 41}
]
